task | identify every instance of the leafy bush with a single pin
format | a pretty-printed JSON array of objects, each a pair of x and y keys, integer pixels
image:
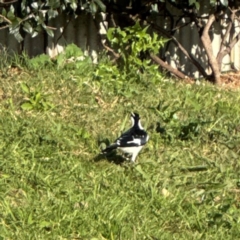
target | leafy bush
[
  {"x": 31, "y": 16},
  {"x": 39, "y": 62},
  {"x": 73, "y": 58},
  {"x": 132, "y": 44}
]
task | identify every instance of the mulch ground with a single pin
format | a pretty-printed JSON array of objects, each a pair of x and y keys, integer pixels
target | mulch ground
[{"x": 231, "y": 80}]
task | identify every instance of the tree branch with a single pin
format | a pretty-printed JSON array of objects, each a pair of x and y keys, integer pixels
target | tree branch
[
  {"x": 227, "y": 48},
  {"x": 167, "y": 66},
  {"x": 5, "y": 19},
  {"x": 7, "y": 26},
  {"x": 116, "y": 55},
  {"x": 8, "y": 2},
  {"x": 184, "y": 51},
  {"x": 224, "y": 49}
]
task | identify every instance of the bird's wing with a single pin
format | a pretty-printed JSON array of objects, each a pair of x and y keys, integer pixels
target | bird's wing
[
  {"x": 124, "y": 141},
  {"x": 129, "y": 140}
]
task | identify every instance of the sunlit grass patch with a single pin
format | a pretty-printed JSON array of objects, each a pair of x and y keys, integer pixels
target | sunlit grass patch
[{"x": 56, "y": 184}]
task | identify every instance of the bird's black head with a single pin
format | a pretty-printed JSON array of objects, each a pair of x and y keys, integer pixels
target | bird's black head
[{"x": 135, "y": 116}]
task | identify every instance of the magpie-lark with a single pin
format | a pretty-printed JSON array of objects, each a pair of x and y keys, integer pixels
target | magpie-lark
[{"x": 131, "y": 141}]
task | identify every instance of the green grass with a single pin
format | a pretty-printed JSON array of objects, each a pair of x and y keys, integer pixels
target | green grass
[{"x": 55, "y": 185}]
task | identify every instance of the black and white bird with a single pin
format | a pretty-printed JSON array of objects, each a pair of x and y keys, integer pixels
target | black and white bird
[{"x": 131, "y": 141}]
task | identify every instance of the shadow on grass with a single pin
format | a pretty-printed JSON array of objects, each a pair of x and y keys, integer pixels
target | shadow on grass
[{"x": 112, "y": 157}]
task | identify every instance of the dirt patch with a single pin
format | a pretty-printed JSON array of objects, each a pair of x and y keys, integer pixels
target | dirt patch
[{"x": 231, "y": 80}]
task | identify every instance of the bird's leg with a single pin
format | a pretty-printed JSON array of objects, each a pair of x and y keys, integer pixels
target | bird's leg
[
  {"x": 127, "y": 156},
  {"x": 133, "y": 158}
]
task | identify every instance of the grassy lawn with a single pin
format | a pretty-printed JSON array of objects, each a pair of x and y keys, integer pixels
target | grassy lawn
[{"x": 56, "y": 185}]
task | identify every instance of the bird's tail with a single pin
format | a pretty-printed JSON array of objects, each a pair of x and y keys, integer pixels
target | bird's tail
[{"x": 109, "y": 148}]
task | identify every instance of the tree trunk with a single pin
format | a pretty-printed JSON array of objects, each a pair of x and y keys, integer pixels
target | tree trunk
[{"x": 208, "y": 47}]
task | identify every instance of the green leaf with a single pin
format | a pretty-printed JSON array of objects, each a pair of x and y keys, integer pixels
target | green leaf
[
  {"x": 224, "y": 2},
  {"x": 123, "y": 34},
  {"x": 44, "y": 224},
  {"x": 213, "y": 2},
  {"x": 34, "y": 5},
  {"x": 10, "y": 14},
  {"x": 4, "y": 12},
  {"x": 27, "y": 106},
  {"x": 145, "y": 29},
  {"x": 110, "y": 34},
  {"x": 18, "y": 36},
  {"x": 101, "y": 5},
  {"x": 197, "y": 5},
  {"x": 25, "y": 88},
  {"x": 54, "y": 4},
  {"x": 93, "y": 8},
  {"x": 27, "y": 27},
  {"x": 34, "y": 34},
  {"x": 30, "y": 219},
  {"x": 85, "y": 134},
  {"x": 74, "y": 6},
  {"x": 38, "y": 97},
  {"x": 192, "y": 2},
  {"x": 52, "y": 13},
  {"x": 49, "y": 32}
]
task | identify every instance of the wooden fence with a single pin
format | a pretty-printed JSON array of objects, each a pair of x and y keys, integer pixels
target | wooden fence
[{"x": 85, "y": 33}]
